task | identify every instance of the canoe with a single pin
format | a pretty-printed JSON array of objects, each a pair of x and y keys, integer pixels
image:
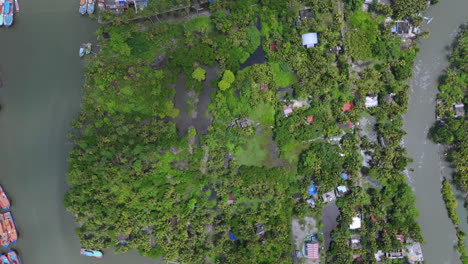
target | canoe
[
  {"x": 4, "y": 202},
  {"x": 82, "y": 50},
  {"x": 10, "y": 227},
  {"x": 88, "y": 48},
  {"x": 4, "y": 259},
  {"x": 90, "y": 6},
  {"x": 13, "y": 257},
  {"x": 91, "y": 253},
  {"x": 8, "y": 13},
  {"x": 4, "y": 242},
  {"x": 2, "y": 3},
  {"x": 83, "y": 7}
]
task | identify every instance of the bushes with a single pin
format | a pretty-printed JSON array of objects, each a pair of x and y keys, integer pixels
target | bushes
[
  {"x": 450, "y": 202},
  {"x": 199, "y": 74}
]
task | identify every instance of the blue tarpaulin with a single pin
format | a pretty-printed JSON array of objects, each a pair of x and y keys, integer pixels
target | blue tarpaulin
[
  {"x": 122, "y": 2},
  {"x": 344, "y": 176},
  {"x": 312, "y": 189},
  {"x": 232, "y": 236}
]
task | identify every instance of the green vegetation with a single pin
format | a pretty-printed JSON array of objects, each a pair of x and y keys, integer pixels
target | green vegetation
[
  {"x": 450, "y": 202},
  {"x": 139, "y": 183}
]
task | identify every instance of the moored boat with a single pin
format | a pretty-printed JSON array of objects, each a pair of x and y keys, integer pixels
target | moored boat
[
  {"x": 10, "y": 227},
  {"x": 83, "y": 7},
  {"x": 13, "y": 257},
  {"x": 88, "y": 48},
  {"x": 91, "y": 253},
  {"x": 4, "y": 242},
  {"x": 8, "y": 13},
  {"x": 4, "y": 202},
  {"x": 4, "y": 259},
  {"x": 82, "y": 50},
  {"x": 2, "y": 3},
  {"x": 90, "y": 9}
]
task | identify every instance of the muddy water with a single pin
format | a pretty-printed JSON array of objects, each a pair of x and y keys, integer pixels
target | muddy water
[{"x": 437, "y": 228}]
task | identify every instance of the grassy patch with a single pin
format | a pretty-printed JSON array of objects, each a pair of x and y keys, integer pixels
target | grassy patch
[
  {"x": 253, "y": 152},
  {"x": 291, "y": 151},
  {"x": 282, "y": 73},
  {"x": 200, "y": 24},
  {"x": 263, "y": 113}
]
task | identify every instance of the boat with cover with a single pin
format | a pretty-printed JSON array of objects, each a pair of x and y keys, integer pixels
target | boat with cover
[
  {"x": 88, "y": 48},
  {"x": 3, "y": 234},
  {"x": 8, "y": 13},
  {"x": 82, "y": 50},
  {"x": 83, "y": 7},
  {"x": 13, "y": 257},
  {"x": 4, "y": 202},
  {"x": 91, "y": 253},
  {"x": 10, "y": 227},
  {"x": 2, "y": 3},
  {"x": 90, "y": 6},
  {"x": 4, "y": 259}
]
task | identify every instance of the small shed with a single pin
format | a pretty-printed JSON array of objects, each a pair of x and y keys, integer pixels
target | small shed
[
  {"x": 309, "y": 40},
  {"x": 355, "y": 242},
  {"x": 329, "y": 196},
  {"x": 371, "y": 101},
  {"x": 341, "y": 190},
  {"x": 244, "y": 122},
  {"x": 356, "y": 224},
  {"x": 459, "y": 109},
  {"x": 287, "y": 109},
  {"x": 264, "y": 87},
  {"x": 306, "y": 13},
  {"x": 348, "y": 107},
  {"x": 231, "y": 199},
  {"x": 259, "y": 229},
  {"x": 273, "y": 46},
  {"x": 311, "y": 202},
  {"x": 312, "y": 250},
  {"x": 310, "y": 119},
  {"x": 344, "y": 176}
]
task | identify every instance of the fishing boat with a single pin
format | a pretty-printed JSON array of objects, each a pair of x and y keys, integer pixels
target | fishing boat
[
  {"x": 2, "y": 3},
  {"x": 90, "y": 6},
  {"x": 4, "y": 202},
  {"x": 88, "y": 48},
  {"x": 10, "y": 227},
  {"x": 13, "y": 257},
  {"x": 91, "y": 253},
  {"x": 8, "y": 13},
  {"x": 82, "y": 50},
  {"x": 16, "y": 6},
  {"x": 83, "y": 7},
  {"x": 4, "y": 259},
  {"x": 3, "y": 234}
]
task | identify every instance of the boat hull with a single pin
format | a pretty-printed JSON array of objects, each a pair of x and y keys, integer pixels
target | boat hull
[
  {"x": 91, "y": 253},
  {"x": 10, "y": 227},
  {"x": 83, "y": 9},
  {"x": 90, "y": 9},
  {"x": 13, "y": 257},
  {"x": 4, "y": 201}
]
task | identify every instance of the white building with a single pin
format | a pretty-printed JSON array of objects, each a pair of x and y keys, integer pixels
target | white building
[{"x": 309, "y": 40}]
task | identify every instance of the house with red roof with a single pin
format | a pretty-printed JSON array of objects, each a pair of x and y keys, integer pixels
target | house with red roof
[
  {"x": 312, "y": 250},
  {"x": 348, "y": 107}
]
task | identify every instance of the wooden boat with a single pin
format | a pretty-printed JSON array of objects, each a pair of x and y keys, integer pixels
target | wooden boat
[
  {"x": 82, "y": 50},
  {"x": 16, "y": 6},
  {"x": 4, "y": 202},
  {"x": 88, "y": 48},
  {"x": 4, "y": 259},
  {"x": 2, "y": 3},
  {"x": 10, "y": 227},
  {"x": 3, "y": 233},
  {"x": 91, "y": 4},
  {"x": 8, "y": 13},
  {"x": 13, "y": 257},
  {"x": 91, "y": 253},
  {"x": 83, "y": 7}
]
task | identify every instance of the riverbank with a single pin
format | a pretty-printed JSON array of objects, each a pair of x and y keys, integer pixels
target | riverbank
[{"x": 429, "y": 169}]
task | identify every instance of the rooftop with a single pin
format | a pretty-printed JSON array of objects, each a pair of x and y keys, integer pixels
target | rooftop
[
  {"x": 371, "y": 101},
  {"x": 356, "y": 224},
  {"x": 348, "y": 107},
  {"x": 313, "y": 250},
  {"x": 309, "y": 40}
]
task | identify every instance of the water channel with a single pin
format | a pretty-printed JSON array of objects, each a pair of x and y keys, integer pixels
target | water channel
[
  {"x": 437, "y": 229},
  {"x": 41, "y": 94}
]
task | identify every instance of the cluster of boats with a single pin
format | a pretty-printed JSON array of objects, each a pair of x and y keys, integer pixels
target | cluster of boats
[
  {"x": 6, "y": 12},
  {"x": 86, "y": 6},
  {"x": 85, "y": 49},
  {"x": 8, "y": 233}
]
